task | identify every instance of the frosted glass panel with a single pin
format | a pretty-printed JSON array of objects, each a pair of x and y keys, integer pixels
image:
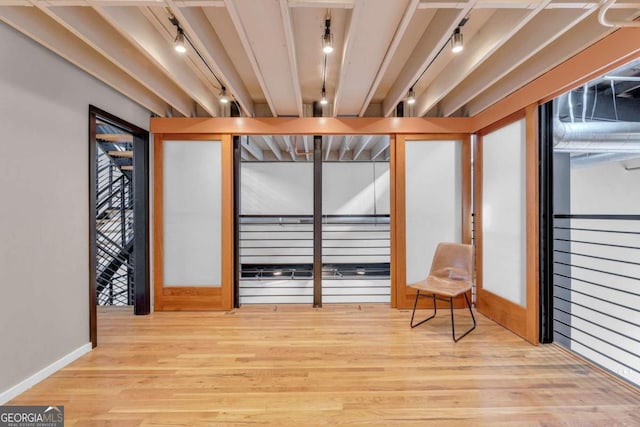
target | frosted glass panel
[
  {"x": 192, "y": 213},
  {"x": 503, "y": 212},
  {"x": 433, "y": 201}
]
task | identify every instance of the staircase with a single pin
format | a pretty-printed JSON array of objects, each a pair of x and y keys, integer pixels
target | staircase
[{"x": 114, "y": 219}]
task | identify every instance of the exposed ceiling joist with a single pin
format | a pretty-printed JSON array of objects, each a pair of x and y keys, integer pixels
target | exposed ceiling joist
[
  {"x": 348, "y": 139},
  {"x": 502, "y": 25},
  {"x": 273, "y": 146},
  {"x": 268, "y": 55},
  {"x": 435, "y": 36},
  {"x": 286, "y": 141},
  {"x": 395, "y": 43},
  {"x": 252, "y": 148},
  {"x": 371, "y": 31},
  {"x": 305, "y": 142},
  {"x": 540, "y": 32},
  {"x": 579, "y": 37},
  {"x": 378, "y": 148},
  {"x": 204, "y": 37},
  {"x": 293, "y": 63},
  {"x": 361, "y": 145},
  {"x": 138, "y": 28},
  {"x": 328, "y": 147},
  {"x": 87, "y": 25},
  {"x": 52, "y": 35}
]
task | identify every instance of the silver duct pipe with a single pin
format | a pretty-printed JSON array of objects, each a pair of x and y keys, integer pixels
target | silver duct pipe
[{"x": 597, "y": 137}]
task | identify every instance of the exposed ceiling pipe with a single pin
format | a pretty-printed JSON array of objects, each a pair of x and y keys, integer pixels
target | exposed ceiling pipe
[
  {"x": 604, "y": 8},
  {"x": 597, "y": 137},
  {"x": 589, "y": 159}
]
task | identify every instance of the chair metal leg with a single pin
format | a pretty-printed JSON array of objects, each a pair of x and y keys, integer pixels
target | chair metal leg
[
  {"x": 415, "y": 304},
  {"x": 453, "y": 328}
]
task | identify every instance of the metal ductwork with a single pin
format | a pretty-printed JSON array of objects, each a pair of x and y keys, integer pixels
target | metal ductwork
[
  {"x": 589, "y": 159},
  {"x": 596, "y": 137}
]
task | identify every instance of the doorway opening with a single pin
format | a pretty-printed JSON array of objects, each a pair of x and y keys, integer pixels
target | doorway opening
[
  {"x": 278, "y": 205},
  {"x": 118, "y": 186}
]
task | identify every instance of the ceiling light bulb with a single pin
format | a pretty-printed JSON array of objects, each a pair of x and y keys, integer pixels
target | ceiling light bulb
[
  {"x": 223, "y": 97},
  {"x": 327, "y": 43},
  {"x": 411, "y": 97},
  {"x": 456, "y": 41},
  {"x": 327, "y": 37},
  {"x": 323, "y": 100},
  {"x": 179, "y": 43}
]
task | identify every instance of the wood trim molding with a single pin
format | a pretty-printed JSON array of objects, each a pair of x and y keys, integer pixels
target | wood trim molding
[
  {"x": 532, "y": 186},
  {"x": 158, "y": 221},
  {"x": 400, "y": 288},
  {"x": 312, "y": 125},
  {"x": 393, "y": 158}
]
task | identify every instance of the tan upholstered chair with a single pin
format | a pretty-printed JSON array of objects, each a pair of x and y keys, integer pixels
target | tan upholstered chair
[{"x": 451, "y": 275}]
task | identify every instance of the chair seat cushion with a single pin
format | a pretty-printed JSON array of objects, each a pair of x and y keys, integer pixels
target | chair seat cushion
[{"x": 442, "y": 286}]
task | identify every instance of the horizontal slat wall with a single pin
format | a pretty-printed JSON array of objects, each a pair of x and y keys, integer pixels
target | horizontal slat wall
[
  {"x": 352, "y": 243},
  {"x": 276, "y": 254},
  {"x": 597, "y": 290}
]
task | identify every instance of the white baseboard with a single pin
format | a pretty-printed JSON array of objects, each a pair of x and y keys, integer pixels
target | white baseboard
[{"x": 34, "y": 379}]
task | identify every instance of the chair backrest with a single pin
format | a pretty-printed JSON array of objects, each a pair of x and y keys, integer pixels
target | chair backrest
[{"x": 453, "y": 261}]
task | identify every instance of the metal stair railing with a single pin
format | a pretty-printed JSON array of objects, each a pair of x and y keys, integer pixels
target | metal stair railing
[{"x": 114, "y": 233}]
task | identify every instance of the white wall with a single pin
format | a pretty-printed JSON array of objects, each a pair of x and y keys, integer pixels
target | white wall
[
  {"x": 284, "y": 188},
  {"x": 605, "y": 188},
  {"x": 44, "y": 262},
  {"x": 355, "y": 188},
  {"x": 276, "y": 188}
]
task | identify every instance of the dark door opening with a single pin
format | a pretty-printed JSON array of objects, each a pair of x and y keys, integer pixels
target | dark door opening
[{"x": 118, "y": 215}]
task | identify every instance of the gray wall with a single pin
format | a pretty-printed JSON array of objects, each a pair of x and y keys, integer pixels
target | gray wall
[{"x": 44, "y": 271}]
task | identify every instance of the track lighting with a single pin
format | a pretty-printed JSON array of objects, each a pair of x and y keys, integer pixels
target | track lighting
[
  {"x": 223, "y": 97},
  {"x": 323, "y": 99},
  {"x": 456, "y": 41},
  {"x": 411, "y": 97},
  {"x": 327, "y": 37},
  {"x": 179, "y": 43}
]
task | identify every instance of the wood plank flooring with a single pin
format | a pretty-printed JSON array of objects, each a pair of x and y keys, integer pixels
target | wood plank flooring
[{"x": 339, "y": 365}]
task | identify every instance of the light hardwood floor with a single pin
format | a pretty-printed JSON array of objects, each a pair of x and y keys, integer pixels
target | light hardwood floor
[{"x": 339, "y": 365}]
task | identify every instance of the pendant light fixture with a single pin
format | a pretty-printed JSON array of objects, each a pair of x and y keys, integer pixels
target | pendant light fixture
[
  {"x": 457, "y": 43},
  {"x": 411, "y": 96},
  {"x": 327, "y": 37}
]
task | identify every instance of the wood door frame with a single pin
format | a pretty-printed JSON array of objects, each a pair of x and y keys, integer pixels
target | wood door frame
[
  {"x": 194, "y": 298},
  {"x": 523, "y": 321},
  {"x": 402, "y": 296}
]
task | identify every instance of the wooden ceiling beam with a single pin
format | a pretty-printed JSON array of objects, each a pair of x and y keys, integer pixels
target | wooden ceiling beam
[
  {"x": 44, "y": 30},
  {"x": 200, "y": 31},
  {"x": 500, "y": 27},
  {"x": 137, "y": 26}
]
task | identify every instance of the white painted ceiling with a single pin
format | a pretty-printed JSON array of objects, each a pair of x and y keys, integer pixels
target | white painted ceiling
[{"x": 267, "y": 53}]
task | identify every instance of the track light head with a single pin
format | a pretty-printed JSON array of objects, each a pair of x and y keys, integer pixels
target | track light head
[
  {"x": 327, "y": 37},
  {"x": 223, "y": 97},
  {"x": 179, "y": 44},
  {"x": 411, "y": 97},
  {"x": 323, "y": 99},
  {"x": 457, "y": 43}
]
